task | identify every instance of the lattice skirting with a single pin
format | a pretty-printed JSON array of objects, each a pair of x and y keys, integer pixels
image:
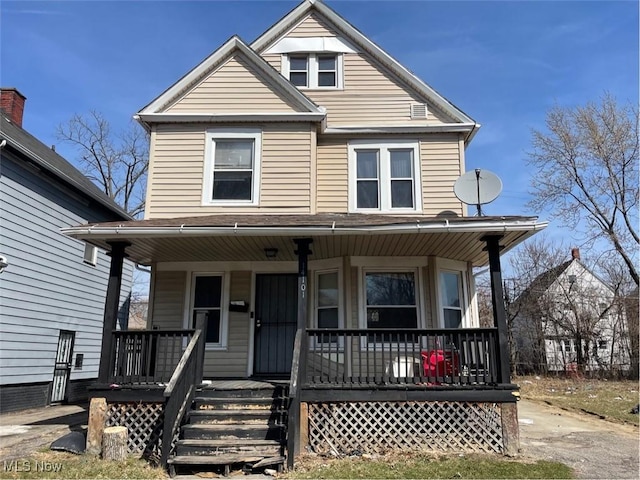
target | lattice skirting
[
  {"x": 379, "y": 427},
  {"x": 143, "y": 421}
]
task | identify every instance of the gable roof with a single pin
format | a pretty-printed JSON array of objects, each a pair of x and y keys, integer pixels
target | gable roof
[
  {"x": 44, "y": 157},
  {"x": 360, "y": 40},
  {"x": 209, "y": 65},
  {"x": 545, "y": 280}
]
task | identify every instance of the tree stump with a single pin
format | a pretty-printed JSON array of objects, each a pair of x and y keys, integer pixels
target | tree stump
[
  {"x": 97, "y": 417},
  {"x": 114, "y": 443}
]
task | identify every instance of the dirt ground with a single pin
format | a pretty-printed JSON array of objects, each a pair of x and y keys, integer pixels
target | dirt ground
[{"x": 594, "y": 448}]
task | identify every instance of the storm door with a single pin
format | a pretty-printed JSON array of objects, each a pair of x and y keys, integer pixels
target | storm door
[
  {"x": 62, "y": 367},
  {"x": 276, "y": 311}
]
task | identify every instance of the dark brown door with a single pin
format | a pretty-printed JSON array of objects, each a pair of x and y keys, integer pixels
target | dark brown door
[{"x": 275, "y": 323}]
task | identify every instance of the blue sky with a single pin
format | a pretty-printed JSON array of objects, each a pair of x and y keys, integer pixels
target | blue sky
[{"x": 504, "y": 63}]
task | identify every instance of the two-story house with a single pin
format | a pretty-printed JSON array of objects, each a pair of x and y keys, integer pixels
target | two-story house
[
  {"x": 52, "y": 287},
  {"x": 300, "y": 205},
  {"x": 569, "y": 320}
]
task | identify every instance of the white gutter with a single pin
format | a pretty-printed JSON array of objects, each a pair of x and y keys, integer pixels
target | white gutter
[
  {"x": 442, "y": 128},
  {"x": 446, "y": 226},
  {"x": 231, "y": 117}
]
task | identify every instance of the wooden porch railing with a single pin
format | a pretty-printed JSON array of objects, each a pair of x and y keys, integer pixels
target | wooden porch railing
[
  {"x": 143, "y": 357},
  {"x": 181, "y": 389},
  {"x": 376, "y": 357}
]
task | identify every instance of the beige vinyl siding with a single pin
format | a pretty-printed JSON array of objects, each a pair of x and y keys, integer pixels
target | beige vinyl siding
[
  {"x": 333, "y": 175},
  {"x": 440, "y": 157},
  {"x": 371, "y": 95},
  {"x": 235, "y": 87},
  {"x": 275, "y": 59},
  {"x": 233, "y": 361},
  {"x": 168, "y": 299},
  {"x": 312, "y": 26},
  {"x": 175, "y": 184},
  {"x": 440, "y": 160}
]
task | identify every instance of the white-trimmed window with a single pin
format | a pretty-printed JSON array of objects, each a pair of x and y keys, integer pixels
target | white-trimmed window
[
  {"x": 90, "y": 255},
  {"x": 327, "y": 303},
  {"x": 451, "y": 298},
  {"x": 207, "y": 299},
  {"x": 314, "y": 70},
  {"x": 391, "y": 299},
  {"x": 232, "y": 167},
  {"x": 384, "y": 176}
]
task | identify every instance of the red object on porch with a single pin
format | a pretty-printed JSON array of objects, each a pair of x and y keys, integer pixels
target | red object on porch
[{"x": 440, "y": 363}]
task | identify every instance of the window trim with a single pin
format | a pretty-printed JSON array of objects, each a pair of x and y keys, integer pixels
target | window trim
[
  {"x": 224, "y": 302},
  {"x": 212, "y": 134},
  {"x": 384, "y": 174},
  {"x": 313, "y": 69},
  {"x": 314, "y": 300},
  {"x": 454, "y": 266}
]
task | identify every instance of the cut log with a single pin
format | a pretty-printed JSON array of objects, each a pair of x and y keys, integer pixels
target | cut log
[
  {"x": 114, "y": 443},
  {"x": 97, "y": 416}
]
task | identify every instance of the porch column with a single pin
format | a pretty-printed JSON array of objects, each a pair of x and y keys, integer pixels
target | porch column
[
  {"x": 303, "y": 253},
  {"x": 111, "y": 307},
  {"x": 499, "y": 313}
]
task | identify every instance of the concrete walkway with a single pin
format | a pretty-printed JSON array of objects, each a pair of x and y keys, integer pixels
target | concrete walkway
[
  {"x": 594, "y": 448},
  {"x": 22, "y": 433}
]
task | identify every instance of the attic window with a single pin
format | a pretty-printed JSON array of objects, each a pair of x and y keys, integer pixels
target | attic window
[
  {"x": 419, "y": 110},
  {"x": 313, "y": 71},
  {"x": 90, "y": 254}
]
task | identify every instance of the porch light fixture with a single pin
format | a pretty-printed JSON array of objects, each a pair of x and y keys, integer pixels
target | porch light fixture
[{"x": 271, "y": 252}]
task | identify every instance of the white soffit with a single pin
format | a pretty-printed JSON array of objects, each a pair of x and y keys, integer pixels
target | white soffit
[{"x": 311, "y": 44}]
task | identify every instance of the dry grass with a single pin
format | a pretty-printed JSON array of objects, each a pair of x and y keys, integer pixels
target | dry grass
[
  {"x": 612, "y": 400},
  {"x": 48, "y": 464},
  {"x": 426, "y": 466}
]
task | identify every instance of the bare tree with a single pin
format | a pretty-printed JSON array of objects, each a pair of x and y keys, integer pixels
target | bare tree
[
  {"x": 587, "y": 169},
  {"x": 116, "y": 162}
]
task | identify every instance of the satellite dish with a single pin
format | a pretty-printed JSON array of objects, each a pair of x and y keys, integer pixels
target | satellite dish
[{"x": 477, "y": 187}]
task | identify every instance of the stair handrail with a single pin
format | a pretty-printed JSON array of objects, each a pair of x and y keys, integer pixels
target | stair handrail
[
  {"x": 293, "y": 420},
  {"x": 180, "y": 390}
]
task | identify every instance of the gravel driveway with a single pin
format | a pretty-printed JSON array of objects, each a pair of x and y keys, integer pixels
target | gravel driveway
[{"x": 594, "y": 448}]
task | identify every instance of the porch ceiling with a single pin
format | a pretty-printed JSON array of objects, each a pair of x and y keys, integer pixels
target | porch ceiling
[{"x": 244, "y": 238}]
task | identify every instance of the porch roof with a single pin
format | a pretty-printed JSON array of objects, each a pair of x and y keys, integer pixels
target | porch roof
[{"x": 244, "y": 237}]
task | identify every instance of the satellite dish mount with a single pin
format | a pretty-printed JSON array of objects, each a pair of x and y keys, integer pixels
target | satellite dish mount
[{"x": 477, "y": 188}]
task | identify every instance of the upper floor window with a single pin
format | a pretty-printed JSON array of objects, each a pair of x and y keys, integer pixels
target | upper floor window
[
  {"x": 384, "y": 176},
  {"x": 232, "y": 167},
  {"x": 314, "y": 70}
]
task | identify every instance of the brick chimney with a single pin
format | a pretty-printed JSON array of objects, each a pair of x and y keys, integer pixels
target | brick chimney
[
  {"x": 575, "y": 253},
  {"x": 12, "y": 104}
]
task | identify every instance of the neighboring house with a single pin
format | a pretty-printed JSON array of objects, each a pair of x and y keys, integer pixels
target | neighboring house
[
  {"x": 568, "y": 319},
  {"x": 300, "y": 202},
  {"x": 52, "y": 290}
]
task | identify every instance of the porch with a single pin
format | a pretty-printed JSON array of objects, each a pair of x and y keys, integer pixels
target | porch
[{"x": 351, "y": 386}]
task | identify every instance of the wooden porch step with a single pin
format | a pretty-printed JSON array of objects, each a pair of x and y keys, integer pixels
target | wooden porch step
[
  {"x": 273, "y": 392},
  {"x": 229, "y": 459},
  {"x": 232, "y": 431},
  {"x": 261, "y": 414},
  {"x": 247, "y": 446},
  {"x": 232, "y": 403}
]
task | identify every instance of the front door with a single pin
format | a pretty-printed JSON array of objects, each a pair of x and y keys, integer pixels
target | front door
[
  {"x": 276, "y": 312},
  {"x": 62, "y": 367}
]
